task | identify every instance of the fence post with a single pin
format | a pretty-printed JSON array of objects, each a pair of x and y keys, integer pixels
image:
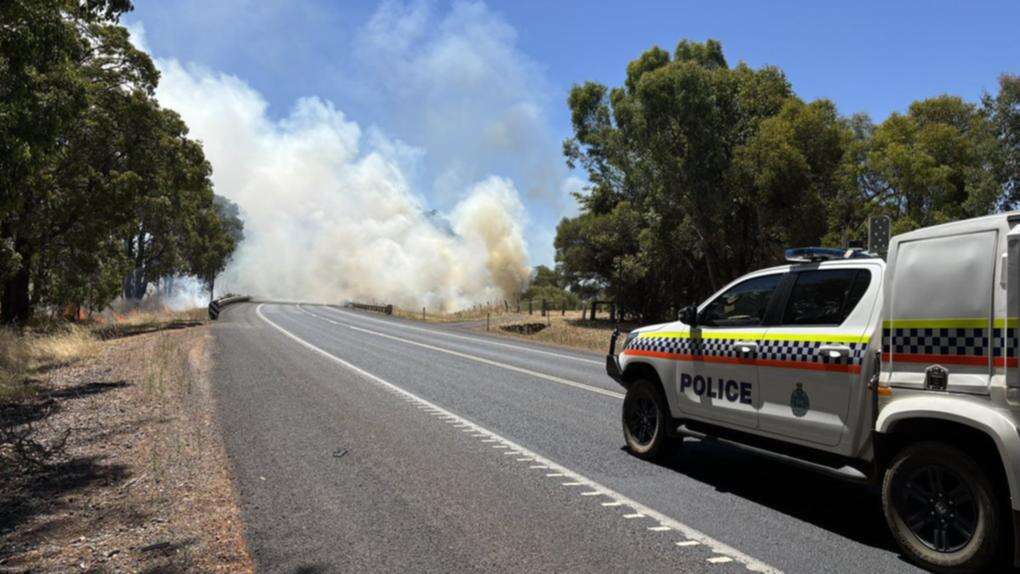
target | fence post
[
  {"x": 423, "y": 314},
  {"x": 487, "y": 321},
  {"x": 529, "y": 306}
]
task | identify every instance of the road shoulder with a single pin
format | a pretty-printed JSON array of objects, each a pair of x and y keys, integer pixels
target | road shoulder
[{"x": 143, "y": 483}]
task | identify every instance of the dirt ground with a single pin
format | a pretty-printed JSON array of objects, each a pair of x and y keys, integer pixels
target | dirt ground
[{"x": 144, "y": 484}]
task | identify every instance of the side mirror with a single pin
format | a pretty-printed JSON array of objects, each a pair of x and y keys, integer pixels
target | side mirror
[{"x": 689, "y": 315}]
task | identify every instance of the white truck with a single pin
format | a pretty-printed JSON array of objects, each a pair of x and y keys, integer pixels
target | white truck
[{"x": 901, "y": 373}]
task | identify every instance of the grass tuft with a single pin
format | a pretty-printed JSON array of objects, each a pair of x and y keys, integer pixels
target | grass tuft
[{"x": 25, "y": 355}]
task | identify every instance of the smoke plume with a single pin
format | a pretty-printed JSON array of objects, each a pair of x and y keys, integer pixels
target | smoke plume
[{"x": 329, "y": 212}]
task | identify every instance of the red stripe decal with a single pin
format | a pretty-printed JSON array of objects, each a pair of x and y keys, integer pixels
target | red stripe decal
[
  {"x": 747, "y": 361},
  {"x": 950, "y": 359},
  {"x": 809, "y": 366}
]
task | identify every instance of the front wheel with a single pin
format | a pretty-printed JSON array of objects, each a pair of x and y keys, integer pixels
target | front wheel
[
  {"x": 645, "y": 420},
  {"x": 942, "y": 508}
]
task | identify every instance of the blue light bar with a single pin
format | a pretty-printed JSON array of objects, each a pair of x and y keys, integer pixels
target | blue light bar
[{"x": 816, "y": 254}]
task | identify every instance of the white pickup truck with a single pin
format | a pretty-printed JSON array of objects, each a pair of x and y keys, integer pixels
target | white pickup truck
[{"x": 902, "y": 373}]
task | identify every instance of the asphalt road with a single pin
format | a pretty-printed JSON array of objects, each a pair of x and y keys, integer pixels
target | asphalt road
[{"x": 366, "y": 443}]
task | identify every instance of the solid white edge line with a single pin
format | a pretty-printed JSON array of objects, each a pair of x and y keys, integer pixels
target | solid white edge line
[
  {"x": 716, "y": 546},
  {"x": 465, "y": 337},
  {"x": 476, "y": 358}
]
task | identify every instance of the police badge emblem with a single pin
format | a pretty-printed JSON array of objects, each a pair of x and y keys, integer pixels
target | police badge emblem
[{"x": 799, "y": 401}]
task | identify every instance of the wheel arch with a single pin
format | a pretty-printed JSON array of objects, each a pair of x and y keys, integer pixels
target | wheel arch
[
  {"x": 957, "y": 421},
  {"x": 636, "y": 370},
  {"x": 977, "y": 429}
]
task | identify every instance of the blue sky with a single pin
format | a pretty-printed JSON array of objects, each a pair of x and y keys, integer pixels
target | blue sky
[{"x": 522, "y": 58}]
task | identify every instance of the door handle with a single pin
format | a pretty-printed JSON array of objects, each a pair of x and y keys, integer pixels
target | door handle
[
  {"x": 834, "y": 351},
  {"x": 744, "y": 347}
]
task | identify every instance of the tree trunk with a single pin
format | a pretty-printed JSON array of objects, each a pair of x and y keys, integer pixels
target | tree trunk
[
  {"x": 16, "y": 303},
  {"x": 135, "y": 284},
  {"x": 212, "y": 285}
]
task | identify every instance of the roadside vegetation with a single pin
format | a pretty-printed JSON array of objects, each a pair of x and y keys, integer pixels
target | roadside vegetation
[
  {"x": 701, "y": 171},
  {"x": 568, "y": 330},
  {"x": 110, "y": 459},
  {"x": 30, "y": 355},
  {"x": 102, "y": 191}
]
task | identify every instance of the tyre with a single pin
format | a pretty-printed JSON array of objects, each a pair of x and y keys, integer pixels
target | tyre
[
  {"x": 942, "y": 509},
  {"x": 645, "y": 420}
]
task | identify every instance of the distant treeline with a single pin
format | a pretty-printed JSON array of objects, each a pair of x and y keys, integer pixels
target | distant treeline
[
  {"x": 701, "y": 172},
  {"x": 103, "y": 193}
]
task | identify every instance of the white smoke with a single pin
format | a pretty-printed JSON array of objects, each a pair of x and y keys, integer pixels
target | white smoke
[
  {"x": 329, "y": 213},
  {"x": 455, "y": 81},
  {"x": 187, "y": 293}
]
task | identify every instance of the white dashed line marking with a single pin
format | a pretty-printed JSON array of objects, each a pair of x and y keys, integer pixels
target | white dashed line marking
[
  {"x": 659, "y": 528},
  {"x": 538, "y": 466},
  {"x": 592, "y": 493},
  {"x": 555, "y": 474},
  {"x": 723, "y": 552},
  {"x": 572, "y": 483},
  {"x": 614, "y": 503},
  {"x": 688, "y": 543}
]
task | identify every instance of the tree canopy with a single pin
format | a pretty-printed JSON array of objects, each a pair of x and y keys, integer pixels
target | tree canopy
[
  {"x": 102, "y": 190},
  {"x": 701, "y": 171}
]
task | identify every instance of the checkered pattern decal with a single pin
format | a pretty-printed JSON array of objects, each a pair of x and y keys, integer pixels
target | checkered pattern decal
[
  {"x": 951, "y": 341},
  {"x": 685, "y": 346},
  {"x": 791, "y": 351},
  {"x": 807, "y": 352},
  {"x": 1004, "y": 339}
]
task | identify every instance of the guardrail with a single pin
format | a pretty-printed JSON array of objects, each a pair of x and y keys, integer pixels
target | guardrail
[
  {"x": 217, "y": 304},
  {"x": 387, "y": 309}
]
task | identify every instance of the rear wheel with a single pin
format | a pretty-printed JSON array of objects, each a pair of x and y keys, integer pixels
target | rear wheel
[
  {"x": 646, "y": 420},
  {"x": 942, "y": 508}
]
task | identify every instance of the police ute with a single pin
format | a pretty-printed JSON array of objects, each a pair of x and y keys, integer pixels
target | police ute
[{"x": 899, "y": 372}]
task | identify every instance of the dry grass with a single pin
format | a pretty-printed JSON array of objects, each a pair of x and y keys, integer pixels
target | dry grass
[
  {"x": 562, "y": 329},
  {"x": 157, "y": 317},
  {"x": 144, "y": 484},
  {"x": 24, "y": 356},
  {"x": 566, "y": 331},
  {"x": 28, "y": 354},
  {"x": 476, "y": 313}
]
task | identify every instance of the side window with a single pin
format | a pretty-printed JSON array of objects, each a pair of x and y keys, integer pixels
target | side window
[
  {"x": 825, "y": 297},
  {"x": 742, "y": 305}
]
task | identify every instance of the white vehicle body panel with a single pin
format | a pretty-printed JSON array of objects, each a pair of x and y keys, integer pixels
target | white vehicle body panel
[{"x": 948, "y": 297}]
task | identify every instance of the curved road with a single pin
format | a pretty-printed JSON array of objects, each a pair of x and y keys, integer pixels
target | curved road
[{"x": 361, "y": 442}]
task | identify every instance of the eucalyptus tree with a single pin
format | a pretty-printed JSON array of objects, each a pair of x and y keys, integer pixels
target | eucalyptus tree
[
  {"x": 61, "y": 61},
  {"x": 699, "y": 170}
]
